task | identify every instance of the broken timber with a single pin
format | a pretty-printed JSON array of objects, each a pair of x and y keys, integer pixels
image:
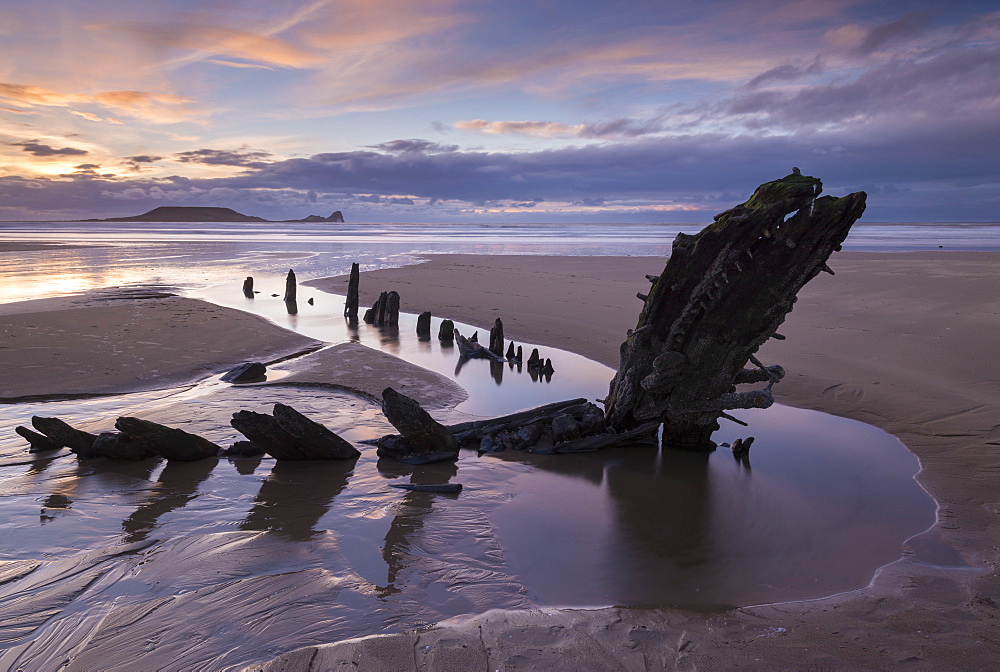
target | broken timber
[{"x": 722, "y": 294}]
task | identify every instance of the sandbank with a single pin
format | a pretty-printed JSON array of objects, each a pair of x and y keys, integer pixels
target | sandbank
[
  {"x": 905, "y": 342},
  {"x": 115, "y": 341}
]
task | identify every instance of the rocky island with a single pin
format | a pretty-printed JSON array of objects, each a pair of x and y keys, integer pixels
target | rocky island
[{"x": 171, "y": 213}]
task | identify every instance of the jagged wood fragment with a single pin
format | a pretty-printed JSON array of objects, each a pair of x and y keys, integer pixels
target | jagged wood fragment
[
  {"x": 289, "y": 435},
  {"x": 168, "y": 442},
  {"x": 420, "y": 435},
  {"x": 38, "y": 442},
  {"x": 496, "y": 338},
  {"x": 470, "y": 349},
  {"x": 80, "y": 442},
  {"x": 721, "y": 295}
]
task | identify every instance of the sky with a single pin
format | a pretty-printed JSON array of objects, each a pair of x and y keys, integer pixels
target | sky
[{"x": 482, "y": 111}]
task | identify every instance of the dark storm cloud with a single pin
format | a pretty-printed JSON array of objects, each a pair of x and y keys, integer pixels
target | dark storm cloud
[{"x": 45, "y": 150}]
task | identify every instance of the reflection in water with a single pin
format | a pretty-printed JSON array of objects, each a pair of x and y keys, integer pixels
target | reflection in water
[
  {"x": 496, "y": 371},
  {"x": 664, "y": 515},
  {"x": 645, "y": 527},
  {"x": 178, "y": 484},
  {"x": 295, "y": 495},
  {"x": 410, "y": 514}
]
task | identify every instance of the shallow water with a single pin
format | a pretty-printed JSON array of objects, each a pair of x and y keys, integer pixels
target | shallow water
[
  {"x": 222, "y": 563},
  {"x": 194, "y": 255},
  {"x": 294, "y": 554}
]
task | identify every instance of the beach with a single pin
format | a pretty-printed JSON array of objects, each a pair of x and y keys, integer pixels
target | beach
[{"x": 905, "y": 342}]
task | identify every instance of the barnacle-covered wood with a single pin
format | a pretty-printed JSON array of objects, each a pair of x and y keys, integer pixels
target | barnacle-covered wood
[{"x": 722, "y": 294}]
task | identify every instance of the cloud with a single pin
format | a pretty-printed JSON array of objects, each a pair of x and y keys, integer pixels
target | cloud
[
  {"x": 785, "y": 73},
  {"x": 415, "y": 145},
  {"x": 622, "y": 128},
  {"x": 946, "y": 84},
  {"x": 135, "y": 163},
  {"x": 237, "y": 64},
  {"x": 905, "y": 27},
  {"x": 155, "y": 107},
  {"x": 255, "y": 47},
  {"x": 45, "y": 150},
  {"x": 225, "y": 157}
]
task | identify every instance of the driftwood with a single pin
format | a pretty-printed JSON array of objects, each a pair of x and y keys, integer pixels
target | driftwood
[
  {"x": 248, "y": 287},
  {"x": 421, "y": 438},
  {"x": 741, "y": 447},
  {"x": 80, "y": 442},
  {"x": 351, "y": 305},
  {"x": 39, "y": 442},
  {"x": 446, "y": 332},
  {"x": 120, "y": 446},
  {"x": 470, "y": 349},
  {"x": 496, "y": 338},
  {"x": 290, "y": 287},
  {"x": 722, "y": 294},
  {"x": 243, "y": 449},
  {"x": 569, "y": 426},
  {"x": 289, "y": 435},
  {"x": 385, "y": 311},
  {"x": 167, "y": 442},
  {"x": 424, "y": 324}
]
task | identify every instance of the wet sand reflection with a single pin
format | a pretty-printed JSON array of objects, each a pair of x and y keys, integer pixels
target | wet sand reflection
[
  {"x": 295, "y": 495},
  {"x": 177, "y": 485},
  {"x": 411, "y": 513}
]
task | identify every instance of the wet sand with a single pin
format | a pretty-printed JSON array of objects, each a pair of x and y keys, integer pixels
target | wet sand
[{"x": 906, "y": 342}]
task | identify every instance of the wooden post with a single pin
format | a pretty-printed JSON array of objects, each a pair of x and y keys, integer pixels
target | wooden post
[
  {"x": 351, "y": 305},
  {"x": 290, "y": 287}
]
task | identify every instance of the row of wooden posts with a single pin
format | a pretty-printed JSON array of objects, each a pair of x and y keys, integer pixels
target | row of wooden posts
[{"x": 385, "y": 313}]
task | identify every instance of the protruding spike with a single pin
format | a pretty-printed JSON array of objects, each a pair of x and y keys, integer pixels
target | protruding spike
[
  {"x": 641, "y": 296},
  {"x": 777, "y": 336},
  {"x": 732, "y": 419},
  {"x": 827, "y": 269},
  {"x": 652, "y": 278}
]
